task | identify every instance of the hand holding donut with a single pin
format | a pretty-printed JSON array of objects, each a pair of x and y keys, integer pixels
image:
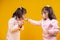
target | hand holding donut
[{"x": 20, "y": 24}]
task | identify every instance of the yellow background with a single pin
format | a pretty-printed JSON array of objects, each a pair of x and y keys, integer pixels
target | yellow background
[{"x": 31, "y": 32}]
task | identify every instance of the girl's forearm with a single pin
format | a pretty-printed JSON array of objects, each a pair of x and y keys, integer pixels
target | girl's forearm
[
  {"x": 53, "y": 32},
  {"x": 34, "y": 22},
  {"x": 14, "y": 30}
]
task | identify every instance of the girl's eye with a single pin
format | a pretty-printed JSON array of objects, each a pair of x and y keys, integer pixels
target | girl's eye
[{"x": 44, "y": 12}]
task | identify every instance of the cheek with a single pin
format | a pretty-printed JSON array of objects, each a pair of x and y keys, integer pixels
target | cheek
[
  {"x": 43, "y": 15},
  {"x": 24, "y": 15},
  {"x": 47, "y": 15}
]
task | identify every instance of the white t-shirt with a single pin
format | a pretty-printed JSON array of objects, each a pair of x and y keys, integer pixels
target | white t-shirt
[{"x": 11, "y": 25}]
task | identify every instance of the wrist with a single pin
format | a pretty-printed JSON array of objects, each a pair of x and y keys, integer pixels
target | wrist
[{"x": 27, "y": 19}]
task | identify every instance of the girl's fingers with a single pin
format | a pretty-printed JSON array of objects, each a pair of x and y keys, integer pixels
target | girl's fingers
[{"x": 26, "y": 19}]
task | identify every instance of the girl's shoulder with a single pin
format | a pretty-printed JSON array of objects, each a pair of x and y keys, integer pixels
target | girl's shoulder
[
  {"x": 54, "y": 21},
  {"x": 11, "y": 20}
]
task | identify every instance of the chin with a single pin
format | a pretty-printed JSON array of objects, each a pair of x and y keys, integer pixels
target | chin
[{"x": 44, "y": 18}]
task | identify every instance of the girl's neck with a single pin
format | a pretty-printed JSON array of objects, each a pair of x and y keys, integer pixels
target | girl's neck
[{"x": 46, "y": 19}]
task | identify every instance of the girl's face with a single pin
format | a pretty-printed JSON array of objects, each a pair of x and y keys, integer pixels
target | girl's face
[
  {"x": 23, "y": 16},
  {"x": 45, "y": 14}
]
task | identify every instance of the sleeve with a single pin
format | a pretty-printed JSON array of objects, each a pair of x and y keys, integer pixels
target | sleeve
[
  {"x": 55, "y": 28},
  {"x": 11, "y": 25},
  {"x": 38, "y": 23}
]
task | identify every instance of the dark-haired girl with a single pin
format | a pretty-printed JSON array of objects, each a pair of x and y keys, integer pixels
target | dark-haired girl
[
  {"x": 49, "y": 23},
  {"x": 15, "y": 24}
]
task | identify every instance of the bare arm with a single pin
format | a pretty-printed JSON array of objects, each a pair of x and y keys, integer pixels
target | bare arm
[{"x": 38, "y": 23}]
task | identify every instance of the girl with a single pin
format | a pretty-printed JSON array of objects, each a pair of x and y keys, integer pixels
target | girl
[
  {"x": 15, "y": 24},
  {"x": 49, "y": 23}
]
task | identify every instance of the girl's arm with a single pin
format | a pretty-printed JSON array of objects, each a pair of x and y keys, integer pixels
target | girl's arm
[
  {"x": 55, "y": 29},
  {"x": 38, "y": 23},
  {"x": 14, "y": 28}
]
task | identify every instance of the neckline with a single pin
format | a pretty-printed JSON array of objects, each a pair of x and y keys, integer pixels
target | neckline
[{"x": 47, "y": 19}]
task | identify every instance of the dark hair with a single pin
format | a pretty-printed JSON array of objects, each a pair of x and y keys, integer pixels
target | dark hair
[
  {"x": 19, "y": 12},
  {"x": 50, "y": 12}
]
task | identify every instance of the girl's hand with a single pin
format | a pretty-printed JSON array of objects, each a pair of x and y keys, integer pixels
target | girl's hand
[
  {"x": 50, "y": 27},
  {"x": 26, "y": 19},
  {"x": 20, "y": 24}
]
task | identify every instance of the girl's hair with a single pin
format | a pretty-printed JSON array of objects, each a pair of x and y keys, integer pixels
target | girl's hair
[
  {"x": 19, "y": 12},
  {"x": 50, "y": 12}
]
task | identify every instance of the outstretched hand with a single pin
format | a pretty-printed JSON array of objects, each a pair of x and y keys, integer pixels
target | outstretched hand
[{"x": 26, "y": 19}]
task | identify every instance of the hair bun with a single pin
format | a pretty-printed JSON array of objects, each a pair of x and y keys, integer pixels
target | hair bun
[
  {"x": 48, "y": 6},
  {"x": 21, "y": 8}
]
